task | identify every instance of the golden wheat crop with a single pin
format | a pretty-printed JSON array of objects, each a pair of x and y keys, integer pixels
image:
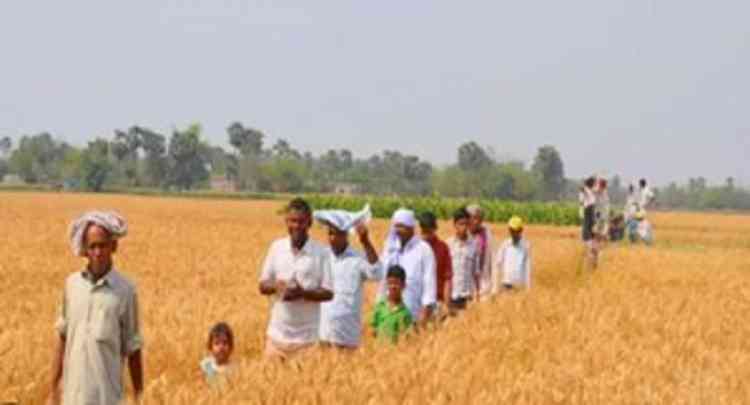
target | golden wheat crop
[{"x": 652, "y": 325}]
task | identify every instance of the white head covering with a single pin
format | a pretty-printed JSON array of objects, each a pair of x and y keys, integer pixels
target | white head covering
[
  {"x": 344, "y": 221},
  {"x": 404, "y": 217},
  {"x": 109, "y": 220},
  {"x": 474, "y": 209}
]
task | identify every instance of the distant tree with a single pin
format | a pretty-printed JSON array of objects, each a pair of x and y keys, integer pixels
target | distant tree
[
  {"x": 125, "y": 148},
  {"x": 155, "y": 160},
  {"x": 187, "y": 163},
  {"x": 248, "y": 143},
  {"x": 6, "y": 144},
  {"x": 548, "y": 166},
  {"x": 38, "y": 158},
  {"x": 95, "y": 165},
  {"x": 471, "y": 156}
]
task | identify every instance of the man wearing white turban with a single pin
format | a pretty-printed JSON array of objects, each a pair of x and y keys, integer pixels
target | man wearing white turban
[
  {"x": 98, "y": 325},
  {"x": 415, "y": 256}
]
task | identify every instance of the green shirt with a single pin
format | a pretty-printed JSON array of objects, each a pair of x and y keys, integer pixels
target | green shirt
[{"x": 389, "y": 322}]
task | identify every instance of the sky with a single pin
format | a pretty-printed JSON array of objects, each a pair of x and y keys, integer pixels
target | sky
[{"x": 637, "y": 88}]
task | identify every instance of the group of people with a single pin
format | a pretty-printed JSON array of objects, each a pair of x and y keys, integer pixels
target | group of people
[
  {"x": 600, "y": 226},
  {"x": 316, "y": 289}
]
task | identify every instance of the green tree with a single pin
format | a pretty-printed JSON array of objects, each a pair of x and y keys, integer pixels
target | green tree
[
  {"x": 187, "y": 163},
  {"x": 125, "y": 149},
  {"x": 548, "y": 166},
  {"x": 155, "y": 160},
  {"x": 248, "y": 144},
  {"x": 95, "y": 165},
  {"x": 37, "y": 158},
  {"x": 471, "y": 156}
]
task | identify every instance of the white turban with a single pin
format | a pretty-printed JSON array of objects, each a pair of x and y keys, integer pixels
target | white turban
[
  {"x": 111, "y": 221},
  {"x": 344, "y": 221},
  {"x": 474, "y": 209},
  {"x": 403, "y": 217}
]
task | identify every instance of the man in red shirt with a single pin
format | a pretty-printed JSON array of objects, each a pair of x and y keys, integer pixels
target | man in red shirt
[{"x": 444, "y": 264}]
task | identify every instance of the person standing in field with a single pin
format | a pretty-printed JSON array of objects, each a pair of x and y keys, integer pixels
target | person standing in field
[
  {"x": 297, "y": 274},
  {"x": 98, "y": 325},
  {"x": 632, "y": 206},
  {"x": 466, "y": 262},
  {"x": 403, "y": 248},
  {"x": 588, "y": 223},
  {"x": 391, "y": 318},
  {"x": 341, "y": 318},
  {"x": 444, "y": 266},
  {"x": 483, "y": 237},
  {"x": 645, "y": 195},
  {"x": 601, "y": 227},
  {"x": 514, "y": 259}
]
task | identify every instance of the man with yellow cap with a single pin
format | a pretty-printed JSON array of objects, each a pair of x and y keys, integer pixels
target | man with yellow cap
[{"x": 513, "y": 263}]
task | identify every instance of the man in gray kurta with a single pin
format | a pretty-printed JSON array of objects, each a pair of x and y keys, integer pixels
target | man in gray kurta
[{"x": 98, "y": 324}]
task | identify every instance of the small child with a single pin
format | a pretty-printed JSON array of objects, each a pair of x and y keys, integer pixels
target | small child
[
  {"x": 390, "y": 317},
  {"x": 220, "y": 345},
  {"x": 464, "y": 254},
  {"x": 644, "y": 230},
  {"x": 514, "y": 259}
]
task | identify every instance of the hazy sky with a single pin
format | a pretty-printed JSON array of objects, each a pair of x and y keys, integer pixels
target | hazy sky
[{"x": 641, "y": 88}]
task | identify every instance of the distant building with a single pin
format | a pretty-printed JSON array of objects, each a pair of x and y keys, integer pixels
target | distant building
[
  {"x": 346, "y": 188},
  {"x": 12, "y": 180},
  {"x": 222, "y": 184}
]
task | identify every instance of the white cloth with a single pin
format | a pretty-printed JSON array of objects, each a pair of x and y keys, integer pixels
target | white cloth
[
  {"x": 514, "y": 263},
  {"x": 632, "y": 205},
  {"x": 341, "y": 318},
  {"x": 466, "y": 266},
  {"x": 645, "y": 232},
  {"x": 344, "y": 220},
  {"x": 109, "y": 220},
  {"x": 297, "y": 322},
  {"x": 418, "y": 261}
]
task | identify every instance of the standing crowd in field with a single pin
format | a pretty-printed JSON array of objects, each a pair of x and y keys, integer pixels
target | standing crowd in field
[{"x": 316, "y": 288}]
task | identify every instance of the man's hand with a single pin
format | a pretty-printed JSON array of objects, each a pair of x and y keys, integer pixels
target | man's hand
[
  {"x": 363, "y": 233},
  {"x": 292, "y": 292}
]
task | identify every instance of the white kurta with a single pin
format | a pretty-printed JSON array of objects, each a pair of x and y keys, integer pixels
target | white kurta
[{"x": 418, "y": 262}]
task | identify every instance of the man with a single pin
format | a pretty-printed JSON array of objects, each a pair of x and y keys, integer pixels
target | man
[
  {"x": 514, "y": 259},
  {"x": 645, "y": 195},
  {"x": 98, "y": 326},
  {"x": 415, "y": 256},
  {"x": 341, "y": 318},
  {"x": 483, "y": 237},
  {"x": 297, "y": 273},
  {"x": 443, "y": 264}
]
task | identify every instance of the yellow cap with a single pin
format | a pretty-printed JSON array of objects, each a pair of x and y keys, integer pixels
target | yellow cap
[
  {"x": 515, "y": 223},
  {"x": 640, "y": 214}
]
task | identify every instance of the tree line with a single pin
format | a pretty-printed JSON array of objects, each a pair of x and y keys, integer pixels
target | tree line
[{"x": 139, "y": 157}]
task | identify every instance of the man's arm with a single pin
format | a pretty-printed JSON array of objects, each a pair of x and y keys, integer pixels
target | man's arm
[
  {"x": 364, "y": 239},
  {"x": 317, "y": 295},
  {"x": 268, "y": 284},
  {"x": 57, "y": 369},
  {"x": 429, "y": 285},
  {"x": 448, "y": 286},
  {"x": 135, "y": 364}
]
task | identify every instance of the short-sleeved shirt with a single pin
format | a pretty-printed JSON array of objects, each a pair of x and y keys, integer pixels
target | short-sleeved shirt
[
  {"x": 418, "y": 262},
  {"x": 388, "y": 322},
  {"x": 100, "y": 323},
  {"x": 341, "y": 318},
  {"x": 466, "y": 266},
  {"x": 443, "y": 265},
  {"x": 296, "y": 322}
]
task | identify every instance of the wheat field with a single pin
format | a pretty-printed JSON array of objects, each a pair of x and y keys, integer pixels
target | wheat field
[{"x": 660, "y": 325}]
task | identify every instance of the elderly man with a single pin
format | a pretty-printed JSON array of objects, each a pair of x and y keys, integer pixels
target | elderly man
[
  {"x": 341, "y": 318},
  {"x": 415, "y": 256},
  {"x": 297, "y": 273},
  {"x": 483, "y": 238},
  {"x": 98, "y": 325}
]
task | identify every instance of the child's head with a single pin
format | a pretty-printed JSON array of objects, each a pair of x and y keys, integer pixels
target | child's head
[
  {"x": 643, "y": 183},
  {"x": 221, "y": 342},
  {"x": 602, "y": 184},
  {"x": 590, "y": 182},
  {"x": 461, "y": 220},
  {"x": 396, "y": 281},
  {"x": 515, "y": 227},
  {"x": 428, "y": 225}
]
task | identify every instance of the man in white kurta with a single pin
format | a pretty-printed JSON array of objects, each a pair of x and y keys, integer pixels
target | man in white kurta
[
  {"x": 341, "y": 318},
  {"x": 415, "y": 256},
  {"x": 482, "y": 236}
]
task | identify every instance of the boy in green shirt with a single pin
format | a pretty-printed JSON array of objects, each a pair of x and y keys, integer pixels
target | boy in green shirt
[{"x": 390, "y": 317}]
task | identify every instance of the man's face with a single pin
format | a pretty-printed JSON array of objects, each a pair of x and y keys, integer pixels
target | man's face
[
  {"x": 99, "y": 247},
  {"x": 404, "y": 232},
  {"x": 297, "y": 224},
  {"x": 338, "y": 240},
  {"x": 428, "y": 232},
  {"x": 462, "y": 227},
  {"x": 516, "y": 234},
  {"x": 221, "y": 349},
  {"x": 475, "y": 223},
  {"x": 395, "y": 286}
]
